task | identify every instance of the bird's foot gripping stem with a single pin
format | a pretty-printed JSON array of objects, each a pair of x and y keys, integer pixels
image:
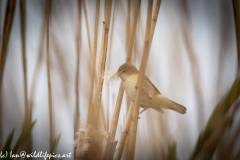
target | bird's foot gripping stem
[
  {"x": 136, "y": 87},
  {"x": 143, "y": 110}
]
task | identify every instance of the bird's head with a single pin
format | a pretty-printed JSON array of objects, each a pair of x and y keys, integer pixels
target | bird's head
[{"x": 126, "y": 70}]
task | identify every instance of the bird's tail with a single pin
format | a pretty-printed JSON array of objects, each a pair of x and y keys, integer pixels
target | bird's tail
[
  {"x": 177, "y": 107},
  {"x": 165, "y": 103}
]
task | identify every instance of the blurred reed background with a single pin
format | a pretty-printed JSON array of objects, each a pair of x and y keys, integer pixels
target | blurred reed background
[{"x": 57, "y": 57}]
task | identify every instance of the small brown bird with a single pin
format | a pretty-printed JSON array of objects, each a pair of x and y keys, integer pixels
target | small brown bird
[{"x": 151, "y": 97}]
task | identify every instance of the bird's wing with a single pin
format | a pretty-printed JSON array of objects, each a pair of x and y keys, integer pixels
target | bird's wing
[{"x": 149, "y": 81}]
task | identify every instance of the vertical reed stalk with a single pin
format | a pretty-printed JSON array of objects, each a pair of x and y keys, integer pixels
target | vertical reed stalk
[
  {"x": 10, "y": 9},
  {"x": 236, "y": 6},
  {"x": 93, "y": 62},
  {"x": 103, "y": 119},
  {"x": 133, "y": 31},
  {"x": 154, "y": 20},
  {"x": 124, "y": 135},
  {"x": 132, "y": 143},
  {"x": 87, "y": 26},
  {"x": 27, "y": 116},
  {"x": 0, "y": 27},
  {"x": 128, "y": 24},
  {"x": 108, "y": 61},
  {"x": 108, "y": 13},
  {"x": 111, "y": 144},
  {"x": 148, "y": 39},
  {"x": 24, "y": 60},
  {"x": 101, "y": 68},
  {"x": 132, "y": 38},
  {"x": 141, "y": 74},
  {"x": 50, "y": 103},
  {"x": 77, "y": 75}
]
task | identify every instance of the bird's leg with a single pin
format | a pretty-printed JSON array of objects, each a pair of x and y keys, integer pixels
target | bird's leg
[{"x": 143, "y": 110}]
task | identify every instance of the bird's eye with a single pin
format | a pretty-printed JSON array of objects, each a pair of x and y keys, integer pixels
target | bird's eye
[{"x": 124, "y": 71}]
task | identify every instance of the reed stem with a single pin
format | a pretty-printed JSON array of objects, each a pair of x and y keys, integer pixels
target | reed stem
[
  {"x": 111, "y": 143},
  {"x": 77, "y": 74},
  {"x": 93, "y": 62},
  {"x": 236, "y": 6},
  {"x": 9, "y": 15},
  {"x": 87, "y": 26},
  {"x": 133, "y": 31},
  {"x": 50, "y": 103},
  {"x": 141, "y": 75}
]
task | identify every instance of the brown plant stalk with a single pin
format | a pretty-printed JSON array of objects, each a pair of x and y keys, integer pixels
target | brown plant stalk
[
  {"x": 0, "y": 26},
  {"x": 109, "y": 59},
  {"x": 50, "y": 103},
  {"x": 107, "y": 13},
  {"x": 153, "y": 24},
  {"x": 236, "y": 6},
  {"x": 142, "y": 69},
  {"x": 101, "y": 67},
  {"x": 128, "y": 24},
  {"x": 133, "y": 31},
  {"x": 136, "y": 106},
  {"x": 95, "y": 120},
  {"x": 93, "y": 62},
  {"x": 77, "y": 75},
  {"x": 124, "y": 135},
  {"x": 111, "y": 143},
  {"x": 27, "y": 116},
  {"x": 87, "y": 26},
  {"x": 24, "y": 60},
  {"x": 10, "y": 9}
]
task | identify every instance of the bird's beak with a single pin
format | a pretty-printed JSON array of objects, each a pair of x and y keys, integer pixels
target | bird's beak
[{"x": 116, "y": 74}]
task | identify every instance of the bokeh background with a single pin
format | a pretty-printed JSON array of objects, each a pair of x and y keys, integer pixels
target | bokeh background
[{"x": 193, "y": 60}]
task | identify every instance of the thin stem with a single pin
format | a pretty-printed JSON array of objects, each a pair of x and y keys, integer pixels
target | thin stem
[
  {"x": 87, "y": 26},
  {"x": 133, "y": 31},
  {"x": 27, "y": 116},
  {"x": 135, "y": 111},
  {"x": 3, "y": 56},
  {"x": 77, "y": 74},
  {"x": 124, "y": 135},
  {"x": 101, "y": 70},
  {"x": 50, "y": 103},
  {"x": 128, "y": 24},
  {"x": 108, "y": 12},
  {"x": 141, "y": 75},
  {"x": 236, "y": 5},
  {"x": 111, "y": 144},
  {"x": 93, "y": 62}
]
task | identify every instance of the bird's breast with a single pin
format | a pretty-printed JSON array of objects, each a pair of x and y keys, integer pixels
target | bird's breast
[{"x": 129, "y": 86}]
